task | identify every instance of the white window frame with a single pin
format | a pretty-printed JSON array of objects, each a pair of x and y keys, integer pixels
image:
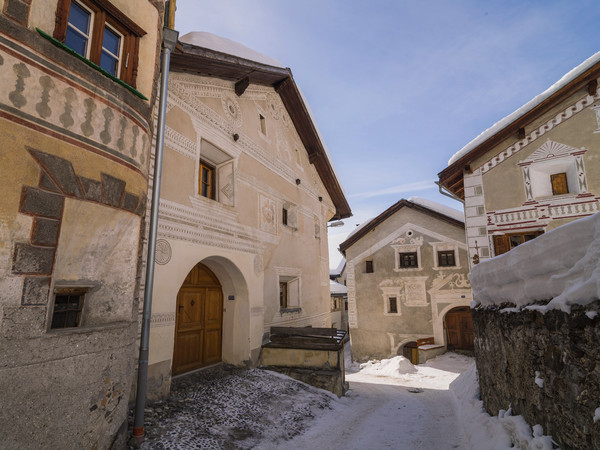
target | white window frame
[
  {"x": 445, "y": 246},
  {"x": 289, "y": 275},
  {"x": 121, "y": 40},
  {"x": 77, "y": 30}
]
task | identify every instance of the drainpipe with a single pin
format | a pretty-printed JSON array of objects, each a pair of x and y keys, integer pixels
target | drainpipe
[
  {"x": 169, "y": 41},
  {"x": 448, "y": 194}
]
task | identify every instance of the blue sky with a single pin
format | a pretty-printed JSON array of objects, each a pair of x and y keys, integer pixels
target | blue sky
[{"x": 397, "y": 87}]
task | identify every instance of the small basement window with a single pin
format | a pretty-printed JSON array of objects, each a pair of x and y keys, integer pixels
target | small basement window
[
  {"x": 67, "y": 308},
  {"x": 392, "y": 305}
]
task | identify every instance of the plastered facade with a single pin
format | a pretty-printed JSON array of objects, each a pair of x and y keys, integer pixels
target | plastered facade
[
  {"x": 239, "y": 235},
  {"x": 424, "y": 294},
  {"x": 509, "y": 189},
  {"x": 73, "y": 168}
]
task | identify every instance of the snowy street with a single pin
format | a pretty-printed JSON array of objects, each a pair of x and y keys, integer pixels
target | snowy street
[
  {"x": 391, "y": 404},
  {"x": 410, "y": 411}
]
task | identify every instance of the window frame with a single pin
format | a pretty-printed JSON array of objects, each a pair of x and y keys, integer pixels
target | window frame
[
  {"x": 503, "y": 241},
  {"x": 416, "y": 260},
  {"x": 67, "y": 292},
  {"x": 565, "y": 184},
  {"x": 369, "y": 267},
  {"x": 283, "y": 297},
  {"x": 440, "y": 255},
  {"x": 105, "y": 14},
  {"x": 202, "y": 164},
  {"x": 393, "y": 310}
]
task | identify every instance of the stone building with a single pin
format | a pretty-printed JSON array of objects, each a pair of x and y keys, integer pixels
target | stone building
[
  {"x": 76, "y": 127},
  {"x": 534, "y": 170},
  {"x": 246, "y": 193},
  {"x": 407, "y": 278}
]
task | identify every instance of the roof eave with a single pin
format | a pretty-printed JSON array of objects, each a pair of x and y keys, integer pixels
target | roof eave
[
  {"x": 206, "y": 62},
  {"x": 451, "y": 176}
]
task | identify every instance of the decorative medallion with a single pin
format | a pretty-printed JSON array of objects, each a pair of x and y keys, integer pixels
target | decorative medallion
[
  {"x": 163, "y": 252},
  {"x": 232, "y": 110}
]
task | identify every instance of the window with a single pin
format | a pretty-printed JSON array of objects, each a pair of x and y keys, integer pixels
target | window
[
  {"x": 68, "y": 304},
  {"x": 446, "y": 258},
  {"x": 98, "y": 31},
  {"x": 369, "y": 266},
  {"x": 284, "y": 216},
  {"x": 559, "y": 183},
  {"x": 506, "y": 242},
  {"x": 263, "y": 124},
  {"x": 283, "y": 297},
  {"x": 392, "y": 305},
  {"x": 408, "y": 260},
  {"x": 206, "y": 180}
]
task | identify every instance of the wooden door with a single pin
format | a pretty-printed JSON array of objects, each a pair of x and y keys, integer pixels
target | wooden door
[
  {"x": 459, "y": 329},
  {"x": 199, "y": 321}
]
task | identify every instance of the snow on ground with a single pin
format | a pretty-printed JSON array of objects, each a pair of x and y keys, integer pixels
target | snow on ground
[
  {"x": 390, "y": 404},
  {"x": 574, "y": 278},
  {"x": 487, "y": 432}
]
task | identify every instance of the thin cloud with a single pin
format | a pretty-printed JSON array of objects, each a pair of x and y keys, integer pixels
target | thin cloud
[{"x": 399, "y": 189}]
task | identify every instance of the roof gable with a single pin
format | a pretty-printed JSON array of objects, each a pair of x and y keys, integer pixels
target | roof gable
[{"x": 373, "y": 223}]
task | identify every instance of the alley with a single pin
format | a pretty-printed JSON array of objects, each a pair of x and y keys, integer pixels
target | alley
[
  {"x": 410, "y": 408},
  {"x": 391, "y": 404}
]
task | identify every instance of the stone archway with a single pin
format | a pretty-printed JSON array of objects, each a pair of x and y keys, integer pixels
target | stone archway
[
  {"x": 459, "y": 328},
  {"x": 198, "y": 321}
]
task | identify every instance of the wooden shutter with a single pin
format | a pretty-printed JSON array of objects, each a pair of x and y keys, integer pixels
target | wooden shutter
[
  {"x": 559, "y": 184},
  {"x": 501, "y": 244}
]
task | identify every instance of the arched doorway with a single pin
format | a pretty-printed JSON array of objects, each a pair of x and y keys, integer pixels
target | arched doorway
[
  {"x": 459, "y": 329},
  {"x": 199, "y": 321}
]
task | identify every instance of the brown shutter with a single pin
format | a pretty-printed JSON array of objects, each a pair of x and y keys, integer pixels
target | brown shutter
[
  {"x": 559, "y": 184},
  {"x": 501, "y": 244}
]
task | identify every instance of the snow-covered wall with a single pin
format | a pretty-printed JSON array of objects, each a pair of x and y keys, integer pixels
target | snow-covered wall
[
  {"x": 562, "y": 266},
  {"x": 537, "y": 332}
]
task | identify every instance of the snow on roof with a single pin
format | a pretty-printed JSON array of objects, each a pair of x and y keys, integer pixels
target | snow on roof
[
  {"x": 532, "y": 271},
  {"x": 337, "y": 288},
  {"x": 338, "y": 270},
  {"x": 439, "y": 208},
  {"x": 224, "y": 45},
  {"x": 359, "y": 227},
  {"x": 566, "y": 79}
]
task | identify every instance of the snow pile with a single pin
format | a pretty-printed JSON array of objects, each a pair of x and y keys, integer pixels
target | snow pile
[
  {"x": 337, "y": 288},
  {"x": 567, "y": 78},
  {"x": 437, "y": 207},
  {"x": 224, "y": 45},
  {"x": 394, "y": 367},
  {"x": 499, "y": 432},
  {"x": 597, "y": 415},
  {"x": 561, "y": 266},
  {"x": 538, "y": 380}
]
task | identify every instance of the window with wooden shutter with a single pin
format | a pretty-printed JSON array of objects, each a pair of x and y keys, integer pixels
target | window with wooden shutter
[
  {"x": 97, "y": 30},
  {"x": 559, "y": 183},
  {"x": 206, "y": 181},
  {"x": 501, "y": 244},
  {"x": 506, "y": 242}
]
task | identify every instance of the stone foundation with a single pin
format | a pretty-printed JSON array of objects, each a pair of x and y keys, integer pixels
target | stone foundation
[{"x": 545, "y": 366}]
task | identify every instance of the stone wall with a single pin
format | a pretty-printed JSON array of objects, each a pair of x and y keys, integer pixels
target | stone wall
[{"x": 545, "y": 366}]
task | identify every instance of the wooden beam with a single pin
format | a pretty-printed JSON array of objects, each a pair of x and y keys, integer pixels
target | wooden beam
[
  {"x": 241, "y": 86},
  {"x": 592, "y": 87}
]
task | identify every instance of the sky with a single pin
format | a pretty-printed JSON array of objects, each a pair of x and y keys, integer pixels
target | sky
[{"x": 397, "y": 87}]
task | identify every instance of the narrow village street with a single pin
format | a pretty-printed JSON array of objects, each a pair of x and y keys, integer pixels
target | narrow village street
[
  {"x": 390, "y": 404},
  {"x": 399, "y": 406}
]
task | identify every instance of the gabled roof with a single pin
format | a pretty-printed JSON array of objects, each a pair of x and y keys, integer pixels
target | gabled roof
[
  {"x": 373, "y": 223},
  {"x": 583, "y": 76},
  {"x": 212, "y": 62},
  {"x": 334, "y": 273}
]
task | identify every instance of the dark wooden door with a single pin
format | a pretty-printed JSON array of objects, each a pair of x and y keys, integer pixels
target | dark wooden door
[
  {"x": 199, "y": 322},
  {"x": 459, "y": 329}
]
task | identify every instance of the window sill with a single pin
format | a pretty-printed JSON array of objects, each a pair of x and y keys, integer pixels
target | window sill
[
  {"x": 290, "y": 310},
  {"x": 91, "y": 64},
  {"x": 447, "y": 268},
  {"x": 411, "y": 269},
  {"x": 88, "y": 329}
]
